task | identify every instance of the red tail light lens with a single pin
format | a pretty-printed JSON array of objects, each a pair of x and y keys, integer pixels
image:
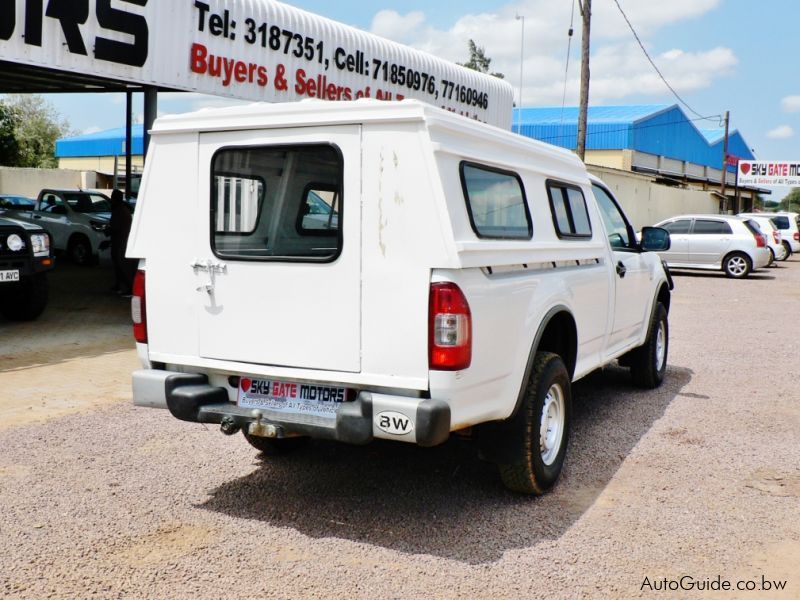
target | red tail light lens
[
  {"x": 796, "y": 236},
  {"x": 138, "y": 309},
  {"x": 449, "y": 328},
  {"x": 776, "y": 236},
  {"x": 761, "y": 240}
]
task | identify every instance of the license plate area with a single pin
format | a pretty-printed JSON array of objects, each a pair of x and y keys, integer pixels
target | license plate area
[
  {"x": 8, "y": 276},
  {"x": 291, "y": 397}
]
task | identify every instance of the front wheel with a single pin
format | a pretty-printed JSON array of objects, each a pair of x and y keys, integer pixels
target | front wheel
[
  {"x": 649, "y": 361},
  {"x": 80, "y": 250},
  {"x": 25, "y": 300},
  {"x": 541, "y": 432},
  {"x": 737, "y": 265}
]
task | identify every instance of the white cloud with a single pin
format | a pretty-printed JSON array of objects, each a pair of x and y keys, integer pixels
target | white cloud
[
  {"x": 394, "y": 26},
  {"x": 782, "y": 132},
  {"x": 619, "y": 68},
  {"x": 791, "y": 104}
]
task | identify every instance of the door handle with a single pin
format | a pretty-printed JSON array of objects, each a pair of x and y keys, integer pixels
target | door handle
[
  {"x": 37, "y": 216},
  {"x": 621, "y": 270}
]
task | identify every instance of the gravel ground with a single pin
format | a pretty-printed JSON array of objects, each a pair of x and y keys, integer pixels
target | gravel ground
[{"x": 700, "y": 477}]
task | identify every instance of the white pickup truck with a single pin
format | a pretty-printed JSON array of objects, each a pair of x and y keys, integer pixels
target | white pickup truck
[
  {"x": 77, "y": 221},
  {"x": 362, "y": 270}
]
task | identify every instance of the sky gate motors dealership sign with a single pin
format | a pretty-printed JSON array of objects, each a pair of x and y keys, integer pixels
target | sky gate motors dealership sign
[
  {"x": 765, "y": 172},
  {"x": 256, "y": 50}
]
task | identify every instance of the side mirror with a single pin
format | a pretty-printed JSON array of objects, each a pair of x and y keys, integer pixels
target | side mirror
[{"x": 655, "y": 239}]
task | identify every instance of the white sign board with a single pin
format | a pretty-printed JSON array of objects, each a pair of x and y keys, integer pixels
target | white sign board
[
  {"x": 769, "y": 172},
  {"x": 257, "y": 50}
]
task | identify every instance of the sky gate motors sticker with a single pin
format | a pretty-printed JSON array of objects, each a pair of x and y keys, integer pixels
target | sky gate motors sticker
[
  {"x": 291, "y": 397},
  {"x": 766, "y": 172}
]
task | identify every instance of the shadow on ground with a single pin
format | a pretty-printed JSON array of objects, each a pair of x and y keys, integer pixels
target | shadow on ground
[
  {"x": 445, "y": 501},
  {"x": 82, "y": 319}
]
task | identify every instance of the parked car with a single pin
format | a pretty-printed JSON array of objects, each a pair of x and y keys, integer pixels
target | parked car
[
  {"x": 767, "y": 226},
  {"x": 467, "y": 277},
  {"x": 77, "y": 221},
  {"x": 789, "y": 225},
  {"x": 25, "y": 258},
  {"x": 734, "y": 245},
  {"x": 8, "y": 202}
]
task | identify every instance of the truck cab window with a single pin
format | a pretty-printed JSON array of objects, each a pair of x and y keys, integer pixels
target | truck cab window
[{"x": 619, "y": 232}]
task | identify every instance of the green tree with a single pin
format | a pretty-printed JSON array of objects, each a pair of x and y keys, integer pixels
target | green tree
[
  {"x": 791, "y": 202},
  {"x": 38, "y": 126},
  {"x": 478, "y": 61},
  {"x": 9, "y": 148}
]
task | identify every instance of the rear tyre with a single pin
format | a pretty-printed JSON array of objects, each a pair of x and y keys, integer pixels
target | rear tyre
[
  {"x": 771, "y": 257},
  {"x": 737, "y": 265},
  {"x": 788, "y": 250},
  {"x": 541, "y": 430},
  {"x": 25, "y": 300},
  {"x": 79, "y": 250},
  {"x": 649, "y": 361},
  {"x": 275, "y": 446}
]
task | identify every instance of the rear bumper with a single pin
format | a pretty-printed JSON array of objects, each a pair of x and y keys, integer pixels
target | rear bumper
[{"x": 190, "y": 397}]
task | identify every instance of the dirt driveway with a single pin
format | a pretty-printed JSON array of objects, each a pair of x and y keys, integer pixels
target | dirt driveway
[{"x": 700, "y": 478}]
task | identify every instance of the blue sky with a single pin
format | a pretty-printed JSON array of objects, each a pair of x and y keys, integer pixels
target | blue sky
[{"x": 718, "y": 54}]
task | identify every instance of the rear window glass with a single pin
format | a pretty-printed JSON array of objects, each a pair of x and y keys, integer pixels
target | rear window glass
[
  {"x": 570, "y": 215},
  {"x": 781, "y": 222},
  {"x": 496, "y": 203},
  {"x": 706, "y": 226},
  {"x": 277, "y": 203}
]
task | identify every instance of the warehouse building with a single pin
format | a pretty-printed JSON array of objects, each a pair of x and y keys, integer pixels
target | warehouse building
[{"x": 658, "y": 144}]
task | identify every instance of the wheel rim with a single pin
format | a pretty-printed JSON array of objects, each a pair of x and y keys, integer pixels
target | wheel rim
[
  {"x": 551, "y": 428},
  {"x": 661, "y": 346},
  {"x": 737, "y": 266},
  {"x": 79, "y": 252}
]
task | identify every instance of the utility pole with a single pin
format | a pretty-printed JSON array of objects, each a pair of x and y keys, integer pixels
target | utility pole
[
  {"x": 725, "y": 165},
  {"x": 586, "y": 13},
  {"x": 521, "y": 62}
]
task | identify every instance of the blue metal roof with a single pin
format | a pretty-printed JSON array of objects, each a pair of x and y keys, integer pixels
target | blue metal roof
[
  {"x": 110, "y": 142},
  {"x": 660, "y": 129}
]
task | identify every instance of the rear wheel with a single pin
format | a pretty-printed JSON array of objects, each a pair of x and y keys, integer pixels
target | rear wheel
[
  {"x": 737, "y": 265},
  {"x": 771, "y": 257},
  {"x": 25, "y": 300},
  {"x": 649, "y": 361},
  {"x": 788, "y": 250},
  {"x": 541, "y": 429},
  {"x": 275, "y": 446}
]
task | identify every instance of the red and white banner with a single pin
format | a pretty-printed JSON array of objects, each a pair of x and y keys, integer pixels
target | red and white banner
[
  {"x": 258, "y": 50},
  {"x": 769, "y": 172}
]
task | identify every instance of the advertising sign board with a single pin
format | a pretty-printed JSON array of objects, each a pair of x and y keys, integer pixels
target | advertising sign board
[
  {"x": 769, "y": 172},
  {"x": 258, "y": 50}
]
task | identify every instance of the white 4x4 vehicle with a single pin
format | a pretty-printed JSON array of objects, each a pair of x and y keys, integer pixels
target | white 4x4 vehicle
[
  {"x": 463, "y": 277},
  {"x": 77, "y": 221}
]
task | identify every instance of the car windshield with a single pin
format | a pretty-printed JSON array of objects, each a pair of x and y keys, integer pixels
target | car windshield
[{"x": 87, "y": 203}]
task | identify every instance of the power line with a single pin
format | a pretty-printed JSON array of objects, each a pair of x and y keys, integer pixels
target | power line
[{"x": 641, "y": 45}]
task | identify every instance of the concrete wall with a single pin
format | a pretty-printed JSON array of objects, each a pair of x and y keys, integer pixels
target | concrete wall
[
  {"x": 646, "y": 202},
  {"x": 28, "y": 182},
  {"x": 104, "y": 164}
]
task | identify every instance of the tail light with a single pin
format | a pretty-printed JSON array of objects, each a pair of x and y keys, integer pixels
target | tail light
[
  {"x": 796, "y": 236},
  {"x": 776, "y": 236},
  {"x": 449, "y": 328},
  {"x": 139, "y": 309},
  {"x": 761, "y": 240}
]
